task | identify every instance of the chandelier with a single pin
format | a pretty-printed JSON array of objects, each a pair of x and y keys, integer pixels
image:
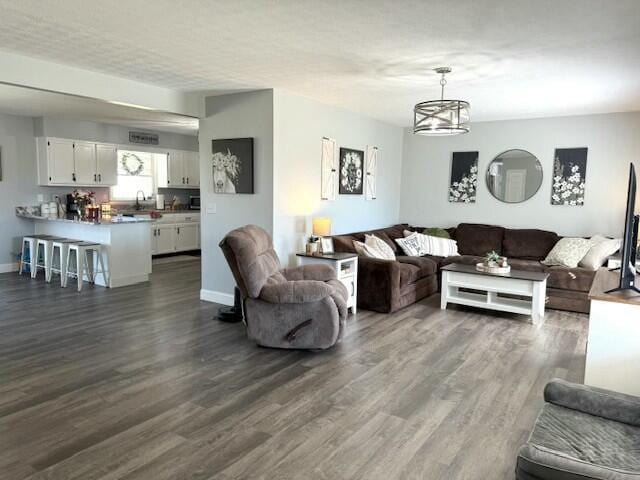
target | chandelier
[{"x": 441, "y": 117}]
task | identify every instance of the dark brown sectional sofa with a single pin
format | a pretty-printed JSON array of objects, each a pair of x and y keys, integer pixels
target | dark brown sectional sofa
[{"x": 386, "y": 286}]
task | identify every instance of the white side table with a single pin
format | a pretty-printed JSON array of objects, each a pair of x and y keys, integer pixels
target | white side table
[{"x": 346, "y": 268}]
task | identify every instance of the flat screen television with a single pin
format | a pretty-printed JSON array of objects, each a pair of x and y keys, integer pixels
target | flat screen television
[{"x": 630, "y": 240}]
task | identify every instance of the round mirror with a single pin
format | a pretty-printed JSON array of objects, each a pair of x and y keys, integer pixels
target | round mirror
[{"x": 514, "y": 176}]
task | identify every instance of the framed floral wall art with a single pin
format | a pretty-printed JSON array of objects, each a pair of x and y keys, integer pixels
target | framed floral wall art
[
  {"x": 351, "y": 171},
  {"x": 464, "y": 177},
  {"x": 569, "y": 173},
  {"x": 232, "y": 164}
]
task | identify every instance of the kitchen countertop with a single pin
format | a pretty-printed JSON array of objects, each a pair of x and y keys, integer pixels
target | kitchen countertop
[
  {"x": 112, "y": 220},
  {"x": 162, "y": 212}
]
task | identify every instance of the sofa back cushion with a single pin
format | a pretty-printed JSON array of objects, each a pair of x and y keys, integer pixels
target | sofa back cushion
[
  {"x": 528, "y": 244},
  {"x": 344, "y": 243},
  {"x": 477, "y": 239}
]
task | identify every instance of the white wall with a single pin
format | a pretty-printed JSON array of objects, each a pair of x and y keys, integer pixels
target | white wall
[
  {"x": 300, "y": 124},
  {"x": 18, "y": 185},
  {"x": 234, "y": 116},
  {"x": 613, "y": 141},
  {"x": 108, "y": 133}
]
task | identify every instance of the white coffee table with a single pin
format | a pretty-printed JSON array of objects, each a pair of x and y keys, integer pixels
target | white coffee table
[{"x": 493, "y": 286}]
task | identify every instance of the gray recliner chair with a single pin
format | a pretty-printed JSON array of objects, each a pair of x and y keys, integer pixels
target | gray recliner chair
[
  {"x": 583, "y": 433},
  {"x": 303, "y": 307}
]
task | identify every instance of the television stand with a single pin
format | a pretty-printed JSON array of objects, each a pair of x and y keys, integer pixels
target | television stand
[{"x": 627, "y": 289}]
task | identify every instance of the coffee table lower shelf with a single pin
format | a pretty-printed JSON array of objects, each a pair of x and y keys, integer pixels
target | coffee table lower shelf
[{"x": 487, "y": 290}]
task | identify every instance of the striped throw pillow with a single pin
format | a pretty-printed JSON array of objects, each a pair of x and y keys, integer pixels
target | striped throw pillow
[{"x": 436, "y": 246}]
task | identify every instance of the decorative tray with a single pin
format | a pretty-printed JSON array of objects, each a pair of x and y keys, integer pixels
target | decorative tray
[{"x": 481, "y": 267}]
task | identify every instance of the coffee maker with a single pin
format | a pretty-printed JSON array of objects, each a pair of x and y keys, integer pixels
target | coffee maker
[{"x": 73, "y": 209}]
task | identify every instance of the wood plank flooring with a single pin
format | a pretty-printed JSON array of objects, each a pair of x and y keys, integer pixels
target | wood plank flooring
[{"x": 140, "y": 383}]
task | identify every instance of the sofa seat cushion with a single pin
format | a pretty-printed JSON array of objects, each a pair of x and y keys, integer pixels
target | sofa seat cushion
[
  {"x": 476, "y": 239},
  {"x": 413, "y": 269},
  {"x": 582, "y": 445},
  {"x": 463, "y": 259},
  {"x": 577, "y": 279},
  {"x": 529, "y": 244},
  {"x": 527, "y": 265},
  {"x": 426, "y": 265}
]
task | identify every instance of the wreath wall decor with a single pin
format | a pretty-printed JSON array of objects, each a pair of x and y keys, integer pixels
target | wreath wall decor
[{"x": 136, "y": 169}]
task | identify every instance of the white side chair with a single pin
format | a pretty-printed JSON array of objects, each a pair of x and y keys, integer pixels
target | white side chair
[
  {"x": 46, "y": 243},
  {"x": 61, "y": 248},
  {"x": 29, "y": 247},
  {"x": 85, "y": 264}
]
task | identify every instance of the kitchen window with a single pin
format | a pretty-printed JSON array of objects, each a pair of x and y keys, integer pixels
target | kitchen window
[{"x": 135, "y": 173}]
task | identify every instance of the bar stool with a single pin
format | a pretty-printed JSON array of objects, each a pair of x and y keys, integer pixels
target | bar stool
[
  {"x": 62, "y": 248},
  {"x": 46, "y": 243},
  {"x": 29, "y": 245},
  {"x": 82, "y": 249}
]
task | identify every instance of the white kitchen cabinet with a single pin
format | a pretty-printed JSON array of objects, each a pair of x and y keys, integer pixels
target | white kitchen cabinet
[
  {"x": 106, "y": 164},
  {"x": 192, "y": 169},
  {"x": 179, "y": 232},
  {"x": 75, "y": 163},
  {"x": 84, "y": 159},
  {"x": 175, "y": 169},
  {"x": 186, "y": 237},
  {"x": 165, "y": 239},
  {"x": 181, "y": 169},
  {"x": 55, "y": 161}
]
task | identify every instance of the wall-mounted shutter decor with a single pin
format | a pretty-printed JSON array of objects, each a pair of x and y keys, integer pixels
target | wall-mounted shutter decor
[
  {"x": 329, "y": 176},
  {"x": 371, "y": 173}
]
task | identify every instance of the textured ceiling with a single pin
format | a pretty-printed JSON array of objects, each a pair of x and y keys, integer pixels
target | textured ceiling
[{"x": 510, "y": 58}]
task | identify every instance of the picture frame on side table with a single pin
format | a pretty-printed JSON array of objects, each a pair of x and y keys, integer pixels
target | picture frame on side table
[{"x": 326, "y": 245}]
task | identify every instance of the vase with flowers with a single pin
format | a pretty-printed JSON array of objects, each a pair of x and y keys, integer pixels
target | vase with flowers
[{"x": 83, "y": 198}]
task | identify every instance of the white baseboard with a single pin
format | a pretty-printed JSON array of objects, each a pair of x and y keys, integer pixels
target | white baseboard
[
  {"x": 216, "y": 297},
  {"x": 8, "y": 267}
]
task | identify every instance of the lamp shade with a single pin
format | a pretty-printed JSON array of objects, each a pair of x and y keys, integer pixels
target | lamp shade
[{"x": 321, "y": 227}]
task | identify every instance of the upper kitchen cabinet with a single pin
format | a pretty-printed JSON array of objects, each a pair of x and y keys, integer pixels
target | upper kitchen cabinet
[
  {"x": 181, "y": 169},
  {"x": 84, "y": 159},
  {"x": 75, "y": 163},
  {"x": 107, "y": 164}
]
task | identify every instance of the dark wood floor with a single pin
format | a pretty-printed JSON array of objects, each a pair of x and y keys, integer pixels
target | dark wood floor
[{"x": 140, "y": 383}]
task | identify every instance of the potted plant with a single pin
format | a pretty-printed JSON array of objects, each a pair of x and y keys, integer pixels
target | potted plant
[{"x": 492, "y": 259}]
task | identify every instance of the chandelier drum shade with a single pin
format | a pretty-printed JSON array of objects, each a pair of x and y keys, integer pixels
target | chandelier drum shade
[{"x": 441, "y": 117}]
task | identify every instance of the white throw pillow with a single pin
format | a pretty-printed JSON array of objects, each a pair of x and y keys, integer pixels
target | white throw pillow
[
  {"x": 601, "y": 248},
  {"x": 568, "y": 252},
  {"x": 366, "y": 251},
  {"x": 410, "y": 245},
  {"x": 436, "y": 246},
  {"x": 380, "y": 246}
]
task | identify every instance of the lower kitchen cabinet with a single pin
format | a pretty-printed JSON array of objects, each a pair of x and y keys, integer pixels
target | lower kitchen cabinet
[{"x": 170, "y": 238}]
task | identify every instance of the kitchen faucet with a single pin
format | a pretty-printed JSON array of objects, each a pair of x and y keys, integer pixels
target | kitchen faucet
[{"x": 138, "y": 206}]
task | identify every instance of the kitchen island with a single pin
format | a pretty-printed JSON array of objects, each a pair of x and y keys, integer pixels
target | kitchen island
[{"x": 126, "y": 241}]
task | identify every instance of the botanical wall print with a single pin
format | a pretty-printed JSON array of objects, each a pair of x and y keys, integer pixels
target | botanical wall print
[
  {"x": 329, "y": 170},
  {"x": 232, "y": 163},
  {"x": 371, "y": 171},
  {"x": 464, "y": 177},
  {"x": 569, "y": 173},
  {"x": 351, "y": 169}
]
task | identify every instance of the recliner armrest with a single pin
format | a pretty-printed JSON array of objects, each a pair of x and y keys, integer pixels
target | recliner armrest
[
  {"x": 599, "y": 402},
  {"x": 320, "y": 272},
  {"x": 298, "y": 291}
]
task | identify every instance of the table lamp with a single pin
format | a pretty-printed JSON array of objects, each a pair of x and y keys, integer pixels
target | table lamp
[{"x": 321, "y": 228}]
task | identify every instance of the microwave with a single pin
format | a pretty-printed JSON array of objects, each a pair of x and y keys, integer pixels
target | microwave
[{"x": 194, "y": 203}]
